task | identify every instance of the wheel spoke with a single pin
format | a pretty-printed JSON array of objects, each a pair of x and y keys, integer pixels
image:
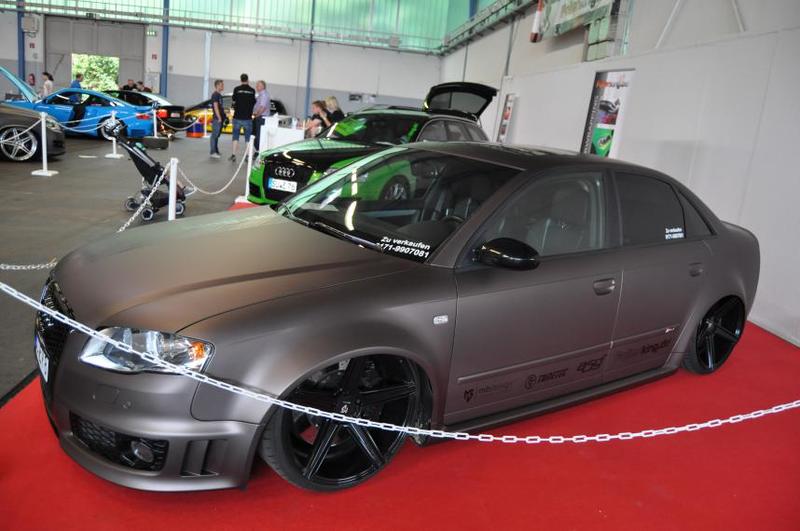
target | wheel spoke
[
  {"x": 319, "y": 399},
  {"x": 367, "y": 444},
  {"x": 710, "y": 350},
  {"x": 725, "y": 334},
  {"x": 352, "y": 375},
  {"x": 322, "y": 444},
  {"x": 387, "y": 394}
]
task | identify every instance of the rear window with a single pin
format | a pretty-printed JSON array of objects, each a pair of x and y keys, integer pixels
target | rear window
[{"x": 651, "y": 212}]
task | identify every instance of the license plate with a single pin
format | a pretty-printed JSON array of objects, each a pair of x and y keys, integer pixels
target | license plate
[
  {"x": 282, "y": 185},
  {"x": 175, "y": 115},
  {"x": 42, "y": 359}
]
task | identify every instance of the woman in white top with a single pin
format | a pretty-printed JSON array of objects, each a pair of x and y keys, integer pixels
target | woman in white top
[{"x": 47, "y": 86}]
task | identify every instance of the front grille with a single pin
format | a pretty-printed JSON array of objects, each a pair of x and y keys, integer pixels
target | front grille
[
  {"x": 118, "y": 447},
  {"x": 286, "y": 172},
  {"x": 52, "y": 334}
]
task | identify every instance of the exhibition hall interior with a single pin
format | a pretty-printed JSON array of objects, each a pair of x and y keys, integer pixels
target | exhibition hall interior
[{"x": 399, "y": 264}]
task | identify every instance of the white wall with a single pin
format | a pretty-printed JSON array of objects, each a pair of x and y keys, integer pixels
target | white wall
[{"x": 713, "y": 107}]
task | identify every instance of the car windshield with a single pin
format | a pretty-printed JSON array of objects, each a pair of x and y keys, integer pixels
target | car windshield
[
  {"x": 401, "y": 202},
  {"x": 389, "y": 129}
]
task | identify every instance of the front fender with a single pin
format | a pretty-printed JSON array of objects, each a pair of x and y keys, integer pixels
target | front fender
[{"x": 273, "y": 345}]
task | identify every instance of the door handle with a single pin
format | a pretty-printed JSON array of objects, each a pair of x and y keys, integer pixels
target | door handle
[
  {"x": 604, "y": 286},
  {"x": 696, "y": 269}
]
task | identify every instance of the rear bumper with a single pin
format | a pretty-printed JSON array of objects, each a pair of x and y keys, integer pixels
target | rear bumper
[{"x": 148, "y": 408}]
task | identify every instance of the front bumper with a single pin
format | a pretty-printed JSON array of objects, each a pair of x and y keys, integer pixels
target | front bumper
[
  {"x": 98, "y": 414},
  {"x": 55, "y": 143}
]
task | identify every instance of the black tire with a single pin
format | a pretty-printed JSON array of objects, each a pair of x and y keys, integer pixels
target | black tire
[
  {"x": 716, "y": 336},
  {"x": 324, "y": 455},
  {"x": 148, "y": 214},
  {"x": 180, "y": 209},
  {"x": 397, "y": 189}
]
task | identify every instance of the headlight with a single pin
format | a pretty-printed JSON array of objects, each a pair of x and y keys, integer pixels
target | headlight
[
  {"x": 52, "y": 124},
  {"x": 187, "y": 352},
  {"x": 258, "y": 162}
]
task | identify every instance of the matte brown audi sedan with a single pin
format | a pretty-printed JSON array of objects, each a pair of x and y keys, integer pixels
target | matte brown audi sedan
[{"x": 509, "y": 282}]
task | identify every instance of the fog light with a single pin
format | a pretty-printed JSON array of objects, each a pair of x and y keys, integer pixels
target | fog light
[{"x": 142, "y": 452}]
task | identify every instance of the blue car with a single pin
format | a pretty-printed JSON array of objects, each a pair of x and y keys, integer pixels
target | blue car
[{"x": 82, "y": 111}]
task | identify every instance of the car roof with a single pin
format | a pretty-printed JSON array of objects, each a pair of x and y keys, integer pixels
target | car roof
[
  {"x": 85, "y": 91},
  {"x": 520, "y": 157}
]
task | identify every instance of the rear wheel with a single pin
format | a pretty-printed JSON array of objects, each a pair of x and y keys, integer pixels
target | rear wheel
[
  {"x": 108, "y": 126},
  {"x": 321, "y": 454},
  {"x": 18, "y": 144},
  {"x": 131, "y": 204},
  {"x": 148, "y": 214},
  {"x": 717, "y": 334},
  {"x": 180, "y": 209}
]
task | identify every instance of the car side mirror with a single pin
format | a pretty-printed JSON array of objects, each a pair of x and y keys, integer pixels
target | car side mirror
[{"x": 509, "y": 253}]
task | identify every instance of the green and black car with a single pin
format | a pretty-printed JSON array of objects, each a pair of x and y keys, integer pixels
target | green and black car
[{"x": 450, "y": 112}]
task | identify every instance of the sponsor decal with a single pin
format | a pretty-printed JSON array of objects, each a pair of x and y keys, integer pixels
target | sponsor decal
[
  {"x": 469, "y": 394},
  {"x": 655, "y": 347},
  {"x": 532, "y": 380},
  {"x": 590, "y": 365},
  {"x": 488, "y": 389}
]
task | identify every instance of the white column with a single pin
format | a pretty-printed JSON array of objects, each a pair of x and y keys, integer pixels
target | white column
[
  {"x": 44, "y": 172},
  {"x": 173, "y": 187}
]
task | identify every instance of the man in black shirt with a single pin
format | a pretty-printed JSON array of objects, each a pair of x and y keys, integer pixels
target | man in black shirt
[
  {"x": 217, "y": 117},
  {"x": 244, "y": 99}
]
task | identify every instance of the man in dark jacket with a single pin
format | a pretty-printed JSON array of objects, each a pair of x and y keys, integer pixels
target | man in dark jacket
[{"x": 244, "y": 99}]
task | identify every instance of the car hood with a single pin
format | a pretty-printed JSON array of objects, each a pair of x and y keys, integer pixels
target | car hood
[
  {"x": 320, "y": 153},
  {"x": 170, "y": 275},
  {"x": 19, "y": 113}
]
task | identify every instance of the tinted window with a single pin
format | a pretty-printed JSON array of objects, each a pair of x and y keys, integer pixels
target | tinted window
[
  {"x": 375, "y": 129},
  {"x": 433, "y": 132},
  {"x": 456, "y": 132},
  {"x": 402, "y": 202},
  {"x": 695, "y": 224},
  {"x": 476, "y": 133},
  {"x": 558, "y": 215},
  {"x": 651, "y": 212}
]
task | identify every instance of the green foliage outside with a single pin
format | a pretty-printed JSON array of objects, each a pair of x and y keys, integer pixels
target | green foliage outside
[{"x": 99, "y": 72}]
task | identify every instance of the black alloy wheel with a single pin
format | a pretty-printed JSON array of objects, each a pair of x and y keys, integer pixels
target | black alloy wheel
[
  {"x": 717, "y": 334},
  {"x": 321, "y": 454}
]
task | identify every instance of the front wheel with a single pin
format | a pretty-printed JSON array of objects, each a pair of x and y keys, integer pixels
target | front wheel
[
  {"x": 717, "y": 334},
  {"x": 18, "y": 144},
  {"x": 322, "y": 454}
]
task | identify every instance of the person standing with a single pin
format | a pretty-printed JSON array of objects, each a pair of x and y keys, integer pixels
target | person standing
[
  {"x": 76, "y": 84},
  {"x": 130, "y": 85},
  {"x": 261, "y": 110},
  {"x": 320, "y": 120},
  {"x": 217, "y": 117},
  {"x": 47, "y": 85},
  {"x": 336, "y": 114},
  {"x": 244, "y": 99}
]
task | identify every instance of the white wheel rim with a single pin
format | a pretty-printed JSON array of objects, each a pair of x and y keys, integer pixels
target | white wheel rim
[{"x": 18, "y": 144}]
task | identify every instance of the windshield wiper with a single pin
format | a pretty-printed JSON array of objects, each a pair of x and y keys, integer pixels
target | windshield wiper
[
  {"x": 289, "y": 214},
  {"x": 324, "y": 227}
]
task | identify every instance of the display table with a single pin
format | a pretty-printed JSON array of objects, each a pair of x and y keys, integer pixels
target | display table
[{"x": 273, "y": 135}]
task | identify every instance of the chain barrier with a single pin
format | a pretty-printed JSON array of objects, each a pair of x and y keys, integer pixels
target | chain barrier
[
  {"x": 206, "y": 192},
  {"x": 176, "y": 129},
  {"x": 28, "y": 267},
  {"x": 85, "y": 130},
  {"x": 408, "y": 430},
  {"x": 146, "y": 201}
]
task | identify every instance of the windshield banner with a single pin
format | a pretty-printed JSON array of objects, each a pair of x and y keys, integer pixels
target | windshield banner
[{"x": 601, "y": 136}]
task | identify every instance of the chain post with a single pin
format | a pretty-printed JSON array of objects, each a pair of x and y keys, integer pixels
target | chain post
[{"x": 44, "y": 172}]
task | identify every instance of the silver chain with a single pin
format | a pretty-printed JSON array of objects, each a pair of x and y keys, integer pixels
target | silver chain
[
  {"x": 409, "y": 430},
  {"x": 227, "y": 185},
  {"x": 146, "y": 201},
  {"x": 28, "y": 267},
  {"x": 164, "y": 122}
]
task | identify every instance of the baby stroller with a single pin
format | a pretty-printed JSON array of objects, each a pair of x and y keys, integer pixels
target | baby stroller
[{"x": 150, "y": 171}]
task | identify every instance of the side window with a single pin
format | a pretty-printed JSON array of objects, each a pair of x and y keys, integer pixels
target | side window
[
  {"x": 556, "y": 215},
  {"x": 695, "y": 224},
  {"x": 651, "y": 212},
  {"x": 433, "y": 132},
  {"x": 456, "y": 132},
  {"x": 476, "y": 134}
]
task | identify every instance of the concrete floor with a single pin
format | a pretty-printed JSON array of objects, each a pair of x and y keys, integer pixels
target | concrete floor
[{"x": 43, "y": 218}]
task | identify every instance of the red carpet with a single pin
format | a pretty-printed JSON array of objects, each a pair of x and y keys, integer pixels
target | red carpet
[{"x": 744, "y": 476}]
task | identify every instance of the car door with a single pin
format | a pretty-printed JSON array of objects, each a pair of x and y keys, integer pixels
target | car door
[
  {"x": 526, "y": 336},
  {"x": 662, "y": 267},
  {"x": 58, "y": 105}
]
